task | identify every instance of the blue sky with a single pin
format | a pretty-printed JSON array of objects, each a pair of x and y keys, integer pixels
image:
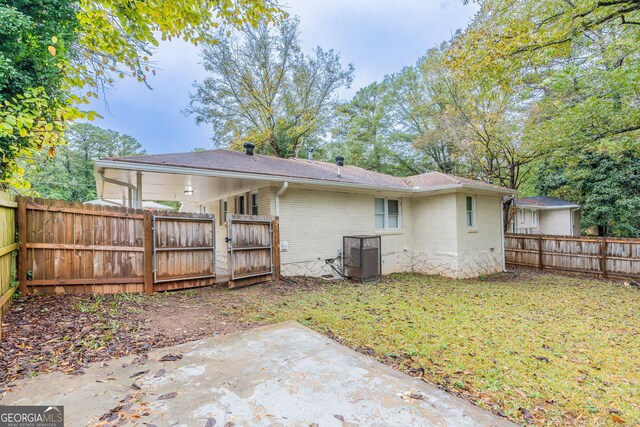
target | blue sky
[{"x": 378, "y": 37}]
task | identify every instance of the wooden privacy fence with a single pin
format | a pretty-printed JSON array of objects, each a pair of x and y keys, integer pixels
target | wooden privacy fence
[
  {"x": 184, "y": 251},
  {"x": 75, "y": 248},
  {"x": 8, "y": 245},
  {"x": 253, "y": 248},
  {"x": 603, "y": 256}
]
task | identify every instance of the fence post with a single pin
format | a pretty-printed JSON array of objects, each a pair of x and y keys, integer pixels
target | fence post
[
  {"x": 22, "y": 250},
  {"x": 148, "y": 252},
  {"x": 540, "y": 265},
  {"x": 603, "y": 257},
  {"x": 276, "y": 248}
]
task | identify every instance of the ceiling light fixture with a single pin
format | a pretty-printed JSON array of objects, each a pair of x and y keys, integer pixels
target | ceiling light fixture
[{"x": 188, "y": 191}]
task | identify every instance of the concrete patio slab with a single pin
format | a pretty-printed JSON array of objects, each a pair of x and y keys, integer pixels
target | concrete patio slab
[{"x": 283, "y": 375}]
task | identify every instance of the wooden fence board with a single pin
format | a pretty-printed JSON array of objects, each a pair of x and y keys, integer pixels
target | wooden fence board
[
  {"x": 8, "y": 245},
  {"x": 254, "y": 249},
  {"x": 606, "y": 257}
]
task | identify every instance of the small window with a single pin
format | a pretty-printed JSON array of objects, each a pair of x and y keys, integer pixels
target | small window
[
  {"x": 387, "y": 213},
  {"x": 254, "y": 204},
  {"x": 534, "y": 217},
  {"x": 223, "y": 211},
  {"x": 240, "y": 205},
  {"x": 379, "y": 210},
  {"x": 521, "y": 216},
  {"x": 471, "y": 214}
]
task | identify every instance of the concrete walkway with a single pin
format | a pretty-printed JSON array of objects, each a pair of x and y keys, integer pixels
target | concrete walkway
[{"x": 283, "y": 374}]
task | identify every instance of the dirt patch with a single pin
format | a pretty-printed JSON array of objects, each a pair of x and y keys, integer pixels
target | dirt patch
[{"x": 67, "y": 332}]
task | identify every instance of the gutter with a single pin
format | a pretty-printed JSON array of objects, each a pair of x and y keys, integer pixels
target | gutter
[
  {"x": 280, "y": 192},
  {"x": 131, "y": 187},
  {"x": 259, "y": 177}
]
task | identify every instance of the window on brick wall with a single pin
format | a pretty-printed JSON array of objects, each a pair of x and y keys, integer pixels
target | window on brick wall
[
  {"x": 387, "y": 213},
  {"x": 471, "y": 211},
  {"x": 223, "y": 211},
  {"x": 254, "y": 203},
  {"x": 240, "y": 205}
]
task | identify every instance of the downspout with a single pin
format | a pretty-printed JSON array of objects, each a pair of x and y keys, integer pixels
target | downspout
[
  {"x": 280, "y": 192},
  {"x": 504, "y": 256},
  {"x": 131, "y": 187}
]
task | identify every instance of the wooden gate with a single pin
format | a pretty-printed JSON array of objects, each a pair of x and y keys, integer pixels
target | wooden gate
[
  {"x": 184, "y": 251},
  {"x": 254, "y": 249}
]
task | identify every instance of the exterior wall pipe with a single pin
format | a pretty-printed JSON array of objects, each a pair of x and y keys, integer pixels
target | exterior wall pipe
[
  {"x": 280, "y": 192},
  {"x": 131, "y": 187}
]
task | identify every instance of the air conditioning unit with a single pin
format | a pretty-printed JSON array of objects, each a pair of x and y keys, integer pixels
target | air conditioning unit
[{"x": 362, "y": 257}]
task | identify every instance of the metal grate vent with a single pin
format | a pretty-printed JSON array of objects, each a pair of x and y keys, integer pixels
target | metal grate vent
[{"x": 362, "y": 257}]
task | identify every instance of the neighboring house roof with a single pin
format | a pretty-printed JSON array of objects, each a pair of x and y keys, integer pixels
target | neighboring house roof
[
  {"x": 543, "y": 202},
  {"x": 234, "y": 162},
  {"x": 145, "y": 204}
]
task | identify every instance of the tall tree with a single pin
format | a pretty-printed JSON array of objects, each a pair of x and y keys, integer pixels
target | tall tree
[
  {"x": 579, "y": 61},
  {"x": 606, "y": 185},
  {"x": 68, "y": 51},
  {"x": 69, "y": 175},
  {"x": 263, "y": 89}
]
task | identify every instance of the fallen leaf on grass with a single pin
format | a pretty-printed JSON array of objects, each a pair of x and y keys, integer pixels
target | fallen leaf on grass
[
  {"x": 339, "y": 417},
  {"x": 210, "y": 422}
]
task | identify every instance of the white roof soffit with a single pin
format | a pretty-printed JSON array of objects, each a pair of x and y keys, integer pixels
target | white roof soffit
[{"x": 131, "y": 166}]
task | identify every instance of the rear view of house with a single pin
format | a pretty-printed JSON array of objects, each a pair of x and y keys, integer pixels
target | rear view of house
[
  {"x": 546, "y": 215},
  {"x": 430, "y": 223}
]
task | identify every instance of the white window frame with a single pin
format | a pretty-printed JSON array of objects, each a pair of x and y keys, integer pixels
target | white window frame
[
  {"x": 521, "y": 216},
  {"x": 224, "y": 209},
  {"x": 257, "y": 205},
  {"x": 534, "y": 217},
  {"x": 386, "y": 213},
  {"x": 241, "y": 207},
  {"x": 473, "y": 212}
]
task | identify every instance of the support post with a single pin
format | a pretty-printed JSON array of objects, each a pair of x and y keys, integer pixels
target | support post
[
  {"x": 22, "y": 240},
  {"x": 540, "y": 264},
  {"x": 148, "y": 252},
  {"x": 138, "y": 190}
]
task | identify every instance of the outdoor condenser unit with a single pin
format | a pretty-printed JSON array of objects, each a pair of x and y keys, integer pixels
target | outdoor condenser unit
[{"x": 362, "y": 257}]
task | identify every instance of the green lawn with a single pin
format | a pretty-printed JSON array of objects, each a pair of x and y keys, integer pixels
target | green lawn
[{"x": 542, "y": 349}]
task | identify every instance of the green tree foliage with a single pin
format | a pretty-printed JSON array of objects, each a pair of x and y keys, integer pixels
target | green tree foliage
[
  {"x": 34, "y": 41},
  {"x": 263, "y": 89},
  {"x": 578, "y": 62},
  {"x": 607, "y": 186},
  {"x": 69, "y": 175},
  {"x": 55, "y": 56}
]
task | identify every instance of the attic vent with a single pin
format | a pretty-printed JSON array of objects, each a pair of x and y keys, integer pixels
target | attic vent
[
  {"x": 248, "y": 148},
  {"x": 339, "y": 160}
]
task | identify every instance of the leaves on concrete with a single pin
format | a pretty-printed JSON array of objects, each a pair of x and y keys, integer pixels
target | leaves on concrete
[{"x": 170, "y": 357}]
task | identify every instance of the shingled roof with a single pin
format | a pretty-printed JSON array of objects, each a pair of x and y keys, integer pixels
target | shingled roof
[
  {"x": 238, "y": 162},
  {"x": 544, "y": 202}
]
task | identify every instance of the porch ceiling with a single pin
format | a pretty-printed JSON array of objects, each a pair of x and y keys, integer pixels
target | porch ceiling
[{"x": 169, "y": 186}]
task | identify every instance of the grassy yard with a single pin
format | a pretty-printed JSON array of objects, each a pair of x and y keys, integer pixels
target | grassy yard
[{"x": 536, "y": 348}]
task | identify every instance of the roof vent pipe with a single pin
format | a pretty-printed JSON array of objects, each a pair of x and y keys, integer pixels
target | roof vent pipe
[
  {"x": 248, "y": 148},
  {"x": 339, "y": 160},
  {"x": 310, "y": 151}
]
